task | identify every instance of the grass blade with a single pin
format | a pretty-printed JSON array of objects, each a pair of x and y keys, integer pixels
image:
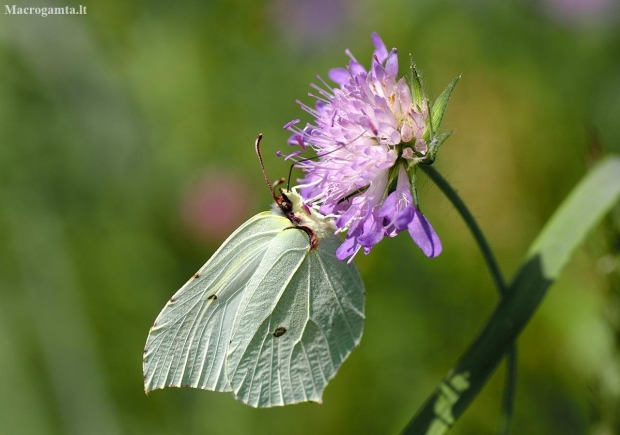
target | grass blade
[{"x": 574, "y": 219}]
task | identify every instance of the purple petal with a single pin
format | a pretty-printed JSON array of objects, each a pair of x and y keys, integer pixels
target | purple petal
[
  {"x": 389, "y": 207},
  {"x": 424, "y": 235},
  {"x": 356, "y": 68},
  {"x": 406, "y": 134},
  {"x": 365, "y": 122},
  {"x": 380, "y": 50},
  {"x": 370, "y": 239},
  {"x": 404, "y": 94},
  {"x": 372, "y": 232},
  {"x": 345, "y": 250},
  {"x": 339, "y": 75},
  {"x": 397, "y": 214},
  {"x": 348, "y": 248},
  {"x": 296, "y": 140},
  {"x": 420, "y": 146},
  {"x": 347, "y": 216},
  {"x": 404, "y": 218},
  {"x": 377, "y": 69},
  {"x": 324, "y": 209},
  {"x": 394, "y": 138},
  {"x": 391, "y": 66}
]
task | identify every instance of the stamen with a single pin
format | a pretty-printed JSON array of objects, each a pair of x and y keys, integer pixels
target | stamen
[
  {"x": 310, "y": 94},
  {"x": 308, "y": 109},
  {"x": 326, "y": 84},
  {"x": 290, "y": 124},
  {"x": 292, "y": 155}
]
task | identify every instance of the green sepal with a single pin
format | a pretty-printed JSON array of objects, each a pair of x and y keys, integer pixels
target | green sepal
[
  {"x": 436, "y": 143},
  {"x": 414, "y": 191},
  {"x": 392, "y": 180},
  {"x": 440, "y": 105},
  {"x": 417, "y": 91}
]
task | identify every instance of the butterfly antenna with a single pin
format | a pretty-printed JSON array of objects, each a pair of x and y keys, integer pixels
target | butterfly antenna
[
  {"x": 260, "y": 159},
  {"x": 262, "y": 165}
]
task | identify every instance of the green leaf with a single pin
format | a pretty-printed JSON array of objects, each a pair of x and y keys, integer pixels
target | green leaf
[
  {"x": 440, "y": 105},
  {"x": 573, "y": 220},
  {"x": 579, "y": 213}
]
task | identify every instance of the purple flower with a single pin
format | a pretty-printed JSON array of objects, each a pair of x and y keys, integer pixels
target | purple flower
[{"x": 368, "y": 135}]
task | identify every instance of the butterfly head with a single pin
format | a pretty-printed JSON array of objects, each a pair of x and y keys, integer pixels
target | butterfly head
[{"x": 289, "y": 203}]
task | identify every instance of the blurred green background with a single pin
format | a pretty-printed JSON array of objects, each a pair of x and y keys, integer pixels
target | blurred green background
[{"x": 126, "y": 158}]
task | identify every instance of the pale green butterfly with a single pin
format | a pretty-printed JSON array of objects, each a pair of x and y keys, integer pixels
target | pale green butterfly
[{"x": 270, "y": 317}]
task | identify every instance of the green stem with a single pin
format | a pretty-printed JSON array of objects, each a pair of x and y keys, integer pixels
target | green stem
[
  {"x": 498, "y": 281},
  {"x": 509, "y": 390},
  {"x": 457, "y": 202}
]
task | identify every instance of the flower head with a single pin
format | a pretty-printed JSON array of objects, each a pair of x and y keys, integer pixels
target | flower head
[{"x": 369, "y": 134}]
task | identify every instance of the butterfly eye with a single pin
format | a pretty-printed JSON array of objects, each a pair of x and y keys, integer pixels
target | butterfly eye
[{"x": 284, "y": 203}]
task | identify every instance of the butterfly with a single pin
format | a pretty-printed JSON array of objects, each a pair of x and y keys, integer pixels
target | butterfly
[{"x": 270, "y": 317}]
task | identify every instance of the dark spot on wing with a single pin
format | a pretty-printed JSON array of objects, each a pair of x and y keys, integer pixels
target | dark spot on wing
[
  {"x": 213, "y": 296},
  {"x": 196, "y": 275},
  {"x": 280, "y": 330}
]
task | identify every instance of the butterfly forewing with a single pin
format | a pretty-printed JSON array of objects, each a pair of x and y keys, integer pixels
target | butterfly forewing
[{"x": 188, "y": 342}]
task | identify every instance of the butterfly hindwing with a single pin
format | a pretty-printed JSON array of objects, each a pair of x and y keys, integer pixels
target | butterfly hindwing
[{"x": 311, "y": 318}]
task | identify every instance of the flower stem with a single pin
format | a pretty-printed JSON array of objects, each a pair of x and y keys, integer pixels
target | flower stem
[
  {"x": 498, "y": 281},
  {"x": 457, "y": 202}
]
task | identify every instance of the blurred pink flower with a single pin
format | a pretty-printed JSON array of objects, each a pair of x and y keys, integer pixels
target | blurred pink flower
[
  {"x": 216, "y": 205},
  {"x": 580, "y": 10},
  {"x": 308, "y": 21}
]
